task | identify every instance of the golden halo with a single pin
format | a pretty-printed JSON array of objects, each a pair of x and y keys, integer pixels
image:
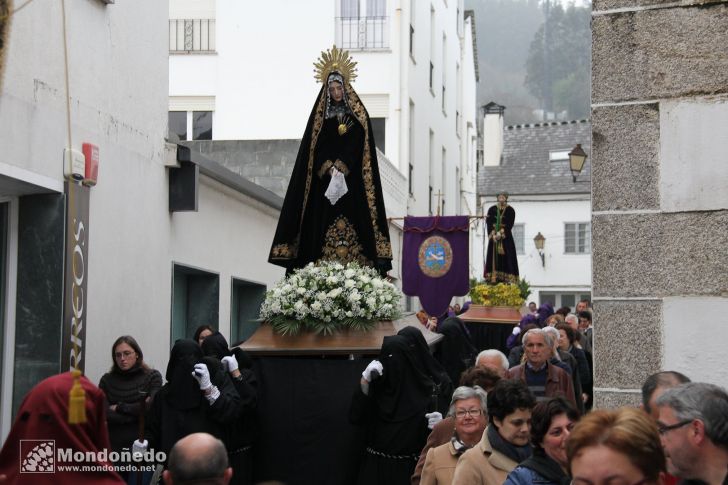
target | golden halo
[{"x": 334, "y": 60}]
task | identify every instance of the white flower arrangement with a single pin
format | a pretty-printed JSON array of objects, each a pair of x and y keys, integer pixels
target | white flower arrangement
[{"x": 329, "y": 296}]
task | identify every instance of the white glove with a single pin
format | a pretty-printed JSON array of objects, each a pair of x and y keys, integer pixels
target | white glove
[
  {"x": 433, "y": 419},
  {"x": 337, "y": 187},
  {"x": 202, "y": 376},
  {"x": 230, "y": 363},
  {"x": 139, "y": 447},
  {"x": 374, "y": 365},
  {"x": 516, "y": 330}
]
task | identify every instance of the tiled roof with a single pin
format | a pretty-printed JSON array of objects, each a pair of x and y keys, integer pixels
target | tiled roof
[{"x": 525, "y": 168}]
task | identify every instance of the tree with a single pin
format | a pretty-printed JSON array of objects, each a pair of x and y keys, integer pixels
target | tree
[{"x": 558, "y": 69}]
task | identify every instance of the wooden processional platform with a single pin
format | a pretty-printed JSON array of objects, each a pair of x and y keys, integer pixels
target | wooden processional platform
[{"x": 305, "y": 386}]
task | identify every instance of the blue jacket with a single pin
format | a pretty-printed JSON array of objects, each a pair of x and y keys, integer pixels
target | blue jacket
[{"x": 525, "y": 476}]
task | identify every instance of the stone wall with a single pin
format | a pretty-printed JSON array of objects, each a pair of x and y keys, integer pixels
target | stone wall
[{"x": 659, "y": 192}]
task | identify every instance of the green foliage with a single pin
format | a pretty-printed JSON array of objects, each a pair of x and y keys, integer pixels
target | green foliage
[
  {"x": 569, "y": 59},
  {"x": 524, "y": 287}
]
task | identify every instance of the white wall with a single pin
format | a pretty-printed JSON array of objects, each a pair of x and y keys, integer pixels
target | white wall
[
  {"x": 693, "y": 163},
  {"x": 264, "y": 86},
  {"x": 698, "y": 358},
  {"x": 562, "y": 272}
]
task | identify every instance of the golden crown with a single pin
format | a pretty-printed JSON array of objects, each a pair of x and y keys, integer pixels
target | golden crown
[{"x": 334, "y": 60}]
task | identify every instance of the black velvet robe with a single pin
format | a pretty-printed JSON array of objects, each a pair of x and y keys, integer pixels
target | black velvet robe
[
  {"x": 506, "y": 264},
  {"x": 310, "y": 229}
]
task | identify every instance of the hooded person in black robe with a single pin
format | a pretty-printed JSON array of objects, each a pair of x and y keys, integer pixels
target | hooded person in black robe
[
  {"x": 338, "y": 144},
  {"x": 501, "y": 261},
  {"x": 241, "y": 434},
  {"x": 392, "y": 410},
  {"x": 181, "y": 407},
  {"x": 456, "y": 351}
]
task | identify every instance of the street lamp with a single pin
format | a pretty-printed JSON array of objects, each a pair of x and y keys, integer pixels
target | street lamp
[
  {"x": 577, "y": 157},
  {"x": 539, "y": 241}
]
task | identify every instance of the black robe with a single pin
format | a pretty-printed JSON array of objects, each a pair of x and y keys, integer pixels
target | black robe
[
  {"x": 506, "y": 264},
  {"x": 310, "y": 229}
]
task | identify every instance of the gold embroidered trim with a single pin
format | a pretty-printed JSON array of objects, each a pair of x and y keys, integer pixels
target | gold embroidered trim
[
  {"x": 341, "y": 244},
  {"x": 324, "y": 168},
  {"x": 384, "y": 247},
  {"x": 341, "y": 167},
  {"x": 283, "y": 251},
  {"x": 501, "y": 276}
]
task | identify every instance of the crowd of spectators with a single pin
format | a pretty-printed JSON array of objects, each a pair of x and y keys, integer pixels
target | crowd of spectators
[{"x": 458, "y": 415}]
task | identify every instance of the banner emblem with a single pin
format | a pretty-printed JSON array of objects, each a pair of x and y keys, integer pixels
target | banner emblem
[{"x": 435, "y": 256}]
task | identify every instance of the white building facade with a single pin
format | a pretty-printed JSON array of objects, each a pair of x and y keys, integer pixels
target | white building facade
[
  {"x": 530, "y": 162},
  {"x": 148, "y": 269},
  {"x": 416, "y": 75}
]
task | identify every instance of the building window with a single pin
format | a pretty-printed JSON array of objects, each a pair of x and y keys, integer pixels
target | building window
[
  {"x": 244, "y": 309},
  {"x": 198, "y": 123},
  {"x": 577, "y": 238},
  {"x": 191, "y": 36},
  {"x": 195, "y": 300},
  {"x": 379, "y": 131},
  {"x": 457, "y": 123},
  {"x": 362, "y": 25},
  {"x": 518, "y": 238},
  {"x": 432, "y": 73},
  {"x": 559, "y": 300},
  {"x": 178, "y": 124}
]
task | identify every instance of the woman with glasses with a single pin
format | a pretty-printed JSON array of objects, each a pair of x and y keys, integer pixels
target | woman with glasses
[
  {"x": 129, "y": 386},
  {"x": 505, "y": 442},
  {"x": 620, "y": 447},
  {"x": 469, "y": 409},
  {"x": 551, "y": 424}
]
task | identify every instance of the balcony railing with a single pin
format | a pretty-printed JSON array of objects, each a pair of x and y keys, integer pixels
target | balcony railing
[
  {"x": 362, "y": 32},
  {"x": 191, "y": 35}
]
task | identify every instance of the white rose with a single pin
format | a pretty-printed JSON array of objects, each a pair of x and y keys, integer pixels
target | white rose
[
  {"x": 349, "y": 313},
  {"x": 316, "y": 306},
  {"x": 349, "y": 284},
  {"x": 349, "y": 273},
  {"x": 300, "y": 290},
  {"x": 371, "y": 302}
]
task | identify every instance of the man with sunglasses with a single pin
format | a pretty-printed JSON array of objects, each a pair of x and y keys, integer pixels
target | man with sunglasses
[{"x": 693, "y": 425}]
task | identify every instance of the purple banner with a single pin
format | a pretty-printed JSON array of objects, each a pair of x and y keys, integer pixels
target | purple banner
[{"x": 435, "y": 260}]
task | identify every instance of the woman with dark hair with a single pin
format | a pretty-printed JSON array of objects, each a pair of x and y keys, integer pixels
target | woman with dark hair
[
  {"x": 241, "y": 434},
  {"x": 198, "y": 397},
  {"x": 390, "y": 403},
  {"x": 551, "y": 425},
  {"x": 505, "y": 442},
  {"x": 620, "y": 446},
  {"x": 567, "y": 340},
  {"x": 129, "y": 386},
  {"x": 456, "y": 351},
  {"x": 202, "y": 332}
]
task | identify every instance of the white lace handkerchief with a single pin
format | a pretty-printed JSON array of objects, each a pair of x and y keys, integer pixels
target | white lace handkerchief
[{"x": 337, "y": 187}]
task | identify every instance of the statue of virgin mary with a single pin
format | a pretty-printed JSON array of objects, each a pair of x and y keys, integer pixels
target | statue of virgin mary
[{"x": 334, "y": 208}]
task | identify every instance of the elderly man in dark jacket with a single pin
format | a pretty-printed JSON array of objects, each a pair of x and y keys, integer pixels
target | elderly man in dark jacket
[{"x": 542, "y": 378}]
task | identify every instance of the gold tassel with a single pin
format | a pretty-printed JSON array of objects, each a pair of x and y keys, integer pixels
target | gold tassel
[
  {"x": 501, "y": 251},
  {"x": 76, "y": 400}
]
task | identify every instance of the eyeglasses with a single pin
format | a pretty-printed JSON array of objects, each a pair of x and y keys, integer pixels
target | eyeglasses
[
  {"x": 126, "y": 353},
  {"x": 473, "y": 413},
  {"x": 663, "y": 429}
]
